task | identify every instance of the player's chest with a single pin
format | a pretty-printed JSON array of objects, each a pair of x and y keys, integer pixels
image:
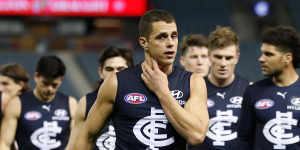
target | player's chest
[
  {"x": 140, "y": 102},
  {"x": 277, "y": 104},
  {"x": 44, "y": 115},
  {"x": 222, "y": 101}
]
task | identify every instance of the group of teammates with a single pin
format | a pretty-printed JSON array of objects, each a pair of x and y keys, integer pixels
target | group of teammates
[{"x": 156, "y": 105}]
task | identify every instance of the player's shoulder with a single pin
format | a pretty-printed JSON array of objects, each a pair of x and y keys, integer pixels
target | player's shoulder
[
  {"x": 92, "y": 94},
  {"x": 261, "y": 84},
  {"x": 130, "y": 70},
  {"x": 14, "y": 106},
  {"x": 129, "y": 74},
  {"x": 241, "y": 78},
  {"x": 241, "y": 81},
  {"x": 90, "y": 97},
  {"x": 27, "y": 95},
  {"x": 181, "y": 73},
  {"x": 65, "y": 97},
  {"x": 62, "y": 95},
  {"x": 179, "y": 69}
]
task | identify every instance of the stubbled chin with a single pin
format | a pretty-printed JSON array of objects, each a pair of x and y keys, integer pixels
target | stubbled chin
[
  {"x": 166, "y": 61},
  {"x": 222, "y": 76}
]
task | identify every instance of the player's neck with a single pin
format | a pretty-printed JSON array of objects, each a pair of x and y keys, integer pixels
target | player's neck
[
  {"x": 286, "y": 78},
  {"x": 220, "y": 82},
  {"x": 167, "y": 68},
  {"x": 40, "y": 97}
]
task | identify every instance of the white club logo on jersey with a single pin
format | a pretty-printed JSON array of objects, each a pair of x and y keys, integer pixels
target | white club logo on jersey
[
  {"x": 61, "y": 114},
  {"x": 276, "y": 130},
  {"x": 216, "y": 129},
  {"x": 107, "y": 140},
  {"x": 147, "y": 129},
  {"x": 44, "y": 137}
]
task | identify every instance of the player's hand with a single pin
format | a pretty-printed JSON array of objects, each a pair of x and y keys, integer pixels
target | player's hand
[{"x": 154, "y": 78}]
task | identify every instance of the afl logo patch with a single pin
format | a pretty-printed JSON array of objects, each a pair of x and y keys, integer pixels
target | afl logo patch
[
  {"x": 264, "y": 104},
  {"x": 33, "y": 115},
  {"x": 135, "y": 98},
  {"x": 210, "y": 103}
]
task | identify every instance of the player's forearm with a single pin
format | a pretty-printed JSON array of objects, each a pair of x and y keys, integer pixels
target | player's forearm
[
  {"x": 4, "y": 146},
  {"x": 185, "y": 123},
  {"x": 83, "y": 141},
  {"x": 74, "y": 132},
  {"x": 7, "y": 135}
]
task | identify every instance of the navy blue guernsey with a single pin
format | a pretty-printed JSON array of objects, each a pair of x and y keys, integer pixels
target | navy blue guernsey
[
  {"x": 138, "y": 118},
  {"x": 43, "y": 126},
  {"x": 107, "y": 138},
  {"x": 224, "y": 104},
  {"x": 270, "y": 116}
]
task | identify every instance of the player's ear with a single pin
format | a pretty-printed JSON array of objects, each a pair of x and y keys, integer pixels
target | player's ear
[
  {"x": 181, "y": 60},
  {"x": 237, "y": 57},
  {"x": 288, "y": 58},
  {"x": 143, "y": 42},
  {"x": 100, "y": 72}
]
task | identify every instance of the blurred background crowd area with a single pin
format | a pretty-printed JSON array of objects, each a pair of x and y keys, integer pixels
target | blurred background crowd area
[{"x": 77, "y": 30}]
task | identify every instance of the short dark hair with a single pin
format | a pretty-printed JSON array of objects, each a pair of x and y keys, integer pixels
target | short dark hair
[
  {"x": 286, "y": 39},
  {"x": 17, "y": 73},
  {"x": 221, "y": 38},
  {"x": 154, "y": 15},
  {"x": 112, "y": 51},
  {"x": 193, "y": 40},
  {"x": 50, "y": 67}
]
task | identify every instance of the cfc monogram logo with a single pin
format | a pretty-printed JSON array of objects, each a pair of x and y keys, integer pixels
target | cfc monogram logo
[
  {"x": 275, "y": 130},
  {"x": 42, "y": 137},
  {"x": 107, "y": 140},
  {"x": 147, "y": 130},
  {"x": 216, "y": 129}
]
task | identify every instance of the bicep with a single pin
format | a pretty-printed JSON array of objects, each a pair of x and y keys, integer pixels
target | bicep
[
  {"x": 80, "y": 112},
  {"x": 196, "y": 103},
  {"x": 103, "y": 106},
  {"x": 76, "y": 123},
  {"x": 73, "y": 108}
]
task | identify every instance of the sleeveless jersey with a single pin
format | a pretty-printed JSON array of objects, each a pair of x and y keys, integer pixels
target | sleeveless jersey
[
  {"x": 107, "y": 138},
  {"x": 43, "y": 126},
  {"x": 270, "y": 116},
  {"x": 224, "y": 104},
  {"x": 138, "y": 118}
]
